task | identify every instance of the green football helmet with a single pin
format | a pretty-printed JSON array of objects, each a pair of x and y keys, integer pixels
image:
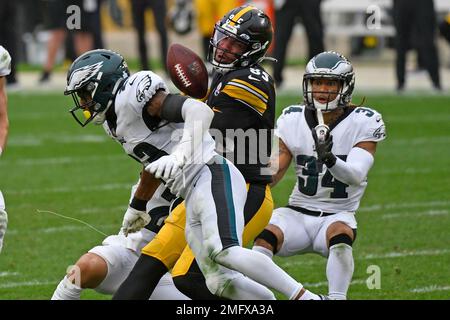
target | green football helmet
[{"x": 93, "y": 80}]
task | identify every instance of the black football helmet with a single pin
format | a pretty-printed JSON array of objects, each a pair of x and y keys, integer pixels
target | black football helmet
[
  {"x": 247, "y": 27},
  {"x": 95, "y": 77},
  {"x": 329, "y": 65}
]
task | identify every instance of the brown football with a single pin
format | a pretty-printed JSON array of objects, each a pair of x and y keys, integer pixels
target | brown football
[{"x": 187, "y": 71}]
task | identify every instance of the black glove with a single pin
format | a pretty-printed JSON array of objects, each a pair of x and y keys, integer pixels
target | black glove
[{"x": 323, "y": 149}]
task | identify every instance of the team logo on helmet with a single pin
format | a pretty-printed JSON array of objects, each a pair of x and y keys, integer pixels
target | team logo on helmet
[{"x": 80, "y": 76}]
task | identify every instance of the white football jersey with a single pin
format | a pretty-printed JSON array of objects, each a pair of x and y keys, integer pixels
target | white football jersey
[
  {"x": 5, "y": 62},
  {"x": 316, "y": 188},
  {"x": 148, "y": 138}
]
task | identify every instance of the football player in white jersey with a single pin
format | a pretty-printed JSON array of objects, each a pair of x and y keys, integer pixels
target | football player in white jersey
[
  {"x": 332, "y": 157},
  {"x": 5, "y": 69},
  {"x": 169, "y": 135},
  {"x": 105, "y": 267}
]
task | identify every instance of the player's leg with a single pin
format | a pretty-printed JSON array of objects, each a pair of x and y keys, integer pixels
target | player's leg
[
  {"x": 89, "y": 271},
  {"x": 285, "y": 236},
  {"x": 120, "y": 261},
  {"x": 335, "y": 240},
  {"x": 220, "y": 281},
  {"x": 3, "y": 220},
  {"x": 222, "y": 188},
  {"x": 258, "y": 208},
  {"x": 157, "y": 257}
]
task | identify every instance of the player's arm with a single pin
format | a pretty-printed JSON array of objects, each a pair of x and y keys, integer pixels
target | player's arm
[
  {"x": 355, "y": 168},
  {"x": 282, "y": 161},
  {"x": 197, "y": 117},
  {"x": 4, "y": 123},
  {"x": 144, "y": 191}
]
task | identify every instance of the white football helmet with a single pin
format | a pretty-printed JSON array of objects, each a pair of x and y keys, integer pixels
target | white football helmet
[{"x": 329, "y": 65}]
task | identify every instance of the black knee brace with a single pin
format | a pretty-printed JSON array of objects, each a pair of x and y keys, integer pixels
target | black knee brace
[
  {"x": 270, "y": 238},
  {"x": 341, "y": 238}
]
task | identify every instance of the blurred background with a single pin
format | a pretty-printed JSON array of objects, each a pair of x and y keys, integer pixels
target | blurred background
[{"x": 395, "y": 44}]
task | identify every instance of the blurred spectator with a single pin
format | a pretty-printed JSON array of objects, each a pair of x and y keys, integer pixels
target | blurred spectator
[
  {"x": 416, "y": 16},
  {"x": 286, "y": 13},
  {"x": 8, "y": 37},
  {"x": 208, "y": 12},
  {"x": 444, "y": 28},
  {"x": 83, "y": 38},
  {"x": 181, "y": 16},
  {"x": 159, "y": 9}
]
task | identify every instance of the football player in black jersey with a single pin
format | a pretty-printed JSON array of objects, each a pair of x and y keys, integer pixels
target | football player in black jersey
[{"x": 242, "y": 96}]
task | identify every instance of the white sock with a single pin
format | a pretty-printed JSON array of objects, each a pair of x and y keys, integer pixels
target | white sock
[
  {"x": 166, "y": 290},
  {"x": 66, "y": 290},
  {"x": 264, "y": 251},
  {"x": 260, "y": 268},
  {"x": 340, "y": 268},
  {"x": 243, "y": 288}
]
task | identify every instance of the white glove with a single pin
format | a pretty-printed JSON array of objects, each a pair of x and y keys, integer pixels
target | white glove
[
  {"x": 134, "y": 220},
  {"x": 166, "y": 167},
  {"x": 3, "y": 225}
]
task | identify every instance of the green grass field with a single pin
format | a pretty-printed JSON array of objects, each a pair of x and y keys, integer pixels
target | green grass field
[{"x": 53, "y": 164}]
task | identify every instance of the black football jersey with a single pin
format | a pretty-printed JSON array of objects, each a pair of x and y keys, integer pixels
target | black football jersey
[{"x": 243, "y": 102}]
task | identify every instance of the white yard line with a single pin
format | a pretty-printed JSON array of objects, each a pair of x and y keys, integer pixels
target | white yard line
[
  {"x": 431, "y": 288},
  {"x": 61, "y": 160},
  {"x": 107, "y": 186},
  {"x": 32, "y": 283},
  {"x": 8, "y": 274},
  {"x": 66, "y": 228},
  {"x": 387, "y": 206},
  {"x": 31, "y": 141},
  {"x": 325, "y": 283},
  {"x": 429, "y": 213},
  {"x": 387, "y": 255},
  {"x": 402, "y": 254}
]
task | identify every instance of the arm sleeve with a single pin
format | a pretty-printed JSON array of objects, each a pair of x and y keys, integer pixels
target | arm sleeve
[
  {"x": 197, "y": 118},
  {"x": 354, "y": 170},
  {"x": 172, "y": 106}
]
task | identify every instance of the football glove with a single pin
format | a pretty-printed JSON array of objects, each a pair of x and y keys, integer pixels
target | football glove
[
  {"x": 166, "y": 167},
  {"x": 323, "y": 149},
  {"x": 134, "y": 220},
  {"x": 3, "y": 225}
]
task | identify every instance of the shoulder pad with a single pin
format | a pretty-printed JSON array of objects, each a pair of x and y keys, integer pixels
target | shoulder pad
[
  {"x": 139, "y": 89},
  {"x": 5, "y": 62},
  {"x": 372, "y": 124}
]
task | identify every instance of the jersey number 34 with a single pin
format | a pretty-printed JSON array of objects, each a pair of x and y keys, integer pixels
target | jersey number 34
[{"x": 309, "y": 185}]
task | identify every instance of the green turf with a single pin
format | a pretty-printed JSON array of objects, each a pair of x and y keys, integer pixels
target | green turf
[{"x": 53, "y": 164}]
